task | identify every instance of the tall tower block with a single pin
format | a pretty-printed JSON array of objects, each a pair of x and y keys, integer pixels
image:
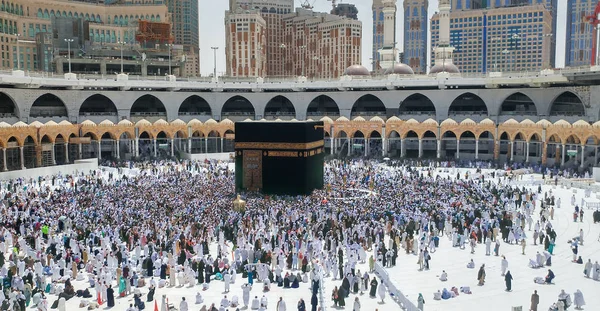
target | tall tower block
[
  {"x": 443, "y": 52},
  {"x": 388, "y": 53}
]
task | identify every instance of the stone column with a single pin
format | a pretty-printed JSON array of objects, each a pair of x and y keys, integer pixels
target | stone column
[
  {"x": 512, "y": 151},
  {"x": 544, "y": 153},
  {"x": 349, "y": 143},
  {"x": 67, "y": 153},
  {"x": 221, "y": 144},
  {"x": 206, "y": 144},
  {"x": 22, "y": 157},
  {"x": 439, "y": 149},
  {"x": 562, "y": 162},
  {"x": 496, "y": 149},
  {"x": 4, "y": 168},
  {"x": 118, "y": 149},
  {"x": 384, "y": 146},
  {"x": 53, "y": 155},
  {"x": 582, "y": 155},
  {"x": 172, "y": 147},
  {"x": 595, "y": 155},
  {"x": 458, "y": 148},
  {"x": 80, "y": 154},
  {"x": 136, "y": 146},
  {"x": 476, "y": 149},
  {"x": 154, "y": 143},
  {"x": 420, "y": 148},
  {"x": 366, "y": 147},
  {"x": 402, "y": 148},
  {"x": 189, "y": 145},
  {"x": 99, "y": 149},
  {"x": 527, "y": 153},
  {"x": 331, "y": 145}
]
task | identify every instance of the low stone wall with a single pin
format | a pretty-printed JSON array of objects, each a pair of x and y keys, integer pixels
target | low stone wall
[
  {"x": 80, "y": 165},
  {"x": 225, "y": 156}
]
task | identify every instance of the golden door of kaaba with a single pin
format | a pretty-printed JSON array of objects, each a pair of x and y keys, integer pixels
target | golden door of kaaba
[{"x": 252, "y": 170}]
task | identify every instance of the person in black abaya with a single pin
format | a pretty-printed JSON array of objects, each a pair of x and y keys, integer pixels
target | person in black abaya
[
  {"x": 314, "y": 301},
  {"x": 150, "y": 297},
  {"x": 342, "y": 293},
  {"x": 508, "y": 279},
  {"x": 201, "y": 272},
  {"x": 373, "y": 291},
  {"x": 346, "y": 286},
  {"x": 163, "y": 272},
  {"x": 110, "y": 297}
]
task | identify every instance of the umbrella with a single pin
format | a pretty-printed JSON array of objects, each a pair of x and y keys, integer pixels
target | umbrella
[{"x": 386, "y": 159}]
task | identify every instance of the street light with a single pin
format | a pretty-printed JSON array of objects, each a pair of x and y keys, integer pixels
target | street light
[
  {"x": 18, "y": 52},
  {"x": 169, "y": 46},
  {"x": 121, "y": 44},
  {"x": 302, "y": 49},
  {"x": 215, "y": 48},
  {"x": 282, "y": 47},
  {"x": 68, "y": 41}
]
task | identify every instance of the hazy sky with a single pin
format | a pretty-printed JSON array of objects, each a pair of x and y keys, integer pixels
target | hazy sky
[{"x": 212, "y": 29}]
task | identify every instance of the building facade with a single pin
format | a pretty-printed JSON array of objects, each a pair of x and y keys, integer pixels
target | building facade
[
  {"x": 579, "y": 32},
  {"x": 23, "y": 20},
  {"x": 415, "y": 35},
  {"x": 272, "y": 11},
  {"x": 502, "y": 39},
  {"x": 320, "y": 45},
  {"x": 490, "y": 5},
  {"x": 378, "y": 30},
  {"x": 245, "y": 44},
  {"x": 184, "y": 23}
]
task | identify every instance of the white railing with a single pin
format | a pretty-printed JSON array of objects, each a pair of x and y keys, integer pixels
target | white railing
[{"x": 395, "y": 293}]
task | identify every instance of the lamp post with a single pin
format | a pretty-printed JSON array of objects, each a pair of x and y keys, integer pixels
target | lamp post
[
  {"x": 169, "y": 46},
  {"x": 215, "y": 48},
  {"x": 282, "y": 47},
  {"x": 18, "y": 52},
  {"x": 302, "y": 50},
  {"x": 121, "y": 44},
  {"x": 68, "y": 41}
]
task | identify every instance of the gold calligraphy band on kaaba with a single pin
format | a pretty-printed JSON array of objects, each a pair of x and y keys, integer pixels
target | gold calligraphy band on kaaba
[{"x": 279, "y": 146}]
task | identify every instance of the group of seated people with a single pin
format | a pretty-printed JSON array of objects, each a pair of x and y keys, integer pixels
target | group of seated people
[
  {"x": 453, "y": 292},
  {"x": 541, "y": 260},
  {"x": 546, "y": 280}
]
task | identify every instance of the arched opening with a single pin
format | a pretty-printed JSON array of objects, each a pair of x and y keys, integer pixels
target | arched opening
[
  {"x": 535, "y": 149},
  {"x": 519, "y": 148},
  {"x": 148, "y": 107},
  {"x": 125, "y": 146},
  {"x": 429, "y": 145},
  {"x": 409, "y": 148},
  {"x": 60, "y": 150},
  {"x": 13, "y": 154},
  {"x": 98, "y": 105},
  {"x": 48, "y": 106},
  {"x": 163, "y": 145},
  {"x": 505, "y": 147},
  {"x": 146, "y": 145},
  {"x": 322, "y": 106},
  {"x": 8, "y": 109},
  {"x": 213, "y": 142},
  {"x": 358, "y": 145},
  {"x": 108, "y": 147},
  {"x": 238, "y": 108},
  {"x": 197, "y": 142},
  {"x": 468, "y": 104},
  {"x": 567, "y": 104},
  {"x": 417, "y": 104},
  {"x": 466, "y": 146},
  {"x": 89, "y": 149},
  {"x": 280, "y": 107},
  {"x": 342, "y": 143},
  {"x": 229, "y": 141},
  {"x": 485, "y": 147},
  {"x": 518, "y": 104},
  {"x": 29, "y": 153},
  {"x": 368, "y": 105},
  {"x": 194, "y": 106},
  {"x": 47, "y": 151},
  {"x": 449, "y": 145},
  {"x": 374, "y": 144},
  {"x": 393, "y": 144}
]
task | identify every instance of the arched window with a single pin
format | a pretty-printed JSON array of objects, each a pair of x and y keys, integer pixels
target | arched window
[{"x": 40, "y": 14}]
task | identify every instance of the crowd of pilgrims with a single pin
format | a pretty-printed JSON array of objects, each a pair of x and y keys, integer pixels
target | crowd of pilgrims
[{"x": 128, "y": 233}]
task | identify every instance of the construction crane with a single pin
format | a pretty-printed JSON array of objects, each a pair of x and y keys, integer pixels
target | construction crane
[
  {"x": 595, "y": 21},
  {"x": 307, "y": 4},
  {"x": 333, "y": 4}
]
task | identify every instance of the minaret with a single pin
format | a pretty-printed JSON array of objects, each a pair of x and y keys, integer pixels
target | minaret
[
  {"x": 388, "y": 53},
  {"x": 443, "y": 52}
]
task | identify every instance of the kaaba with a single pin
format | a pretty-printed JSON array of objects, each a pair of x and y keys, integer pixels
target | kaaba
[{"x": 284, "y": 158}]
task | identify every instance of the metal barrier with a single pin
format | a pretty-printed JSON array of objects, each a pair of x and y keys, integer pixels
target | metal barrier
[{"x": 395, "y": 293}]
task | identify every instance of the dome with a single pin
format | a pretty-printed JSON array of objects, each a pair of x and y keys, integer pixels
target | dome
[
  {"x": 161, "y": 122},
  {"x": 445, "y": 66},
  {"x": 393, "y": 119},
  {"x": 210, "y": 121},
  {"x": 65, "y": 122},
  {"x": 377, "y": 119},
  {"x": 107, "y": 123},
  {"x": 510, "y": 122},
  {"x": 247, "y": 120},
  {"x": 88, "y": 123},
  {"x": 448, "y": 122},
  {"x": 51, "y": 123},
  {"x": 467, "y": 121},
  {"x": 399, "y": 69},
  {"x": 430, "y": 121},
  {"x": 562, "y": 123},
  {"x": 342, "y": 119},
  {"x": 178, "y": 122},
  {"x": 125, "y": 122},
  {"x": 544, "y": 123},
  {"x": 486, "y": 121},
  {"x": 359, "y": 119},
  {"x": 597, "y": 124},
  {"x": 357, "y": 70},
  {"x": 226, "y": 121},
  {"x": 195, "y": 121},
  {"x": 143, "y": 122},
  {"x": 326, "y": 120},
  {"x": 581, "y": 123},
  {"x": 412, "y": 121},
  {"x": 21, "y": 124},
  {"x": 36, "y": 124},
  {"x": 295, "y": 120},
  {"x": 278, "y": 120},
  {"x": 527, "y": 122},
  {"x": 4, "y": 124}
]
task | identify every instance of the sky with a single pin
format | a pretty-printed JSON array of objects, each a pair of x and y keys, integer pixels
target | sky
[{"x": 212, "y": 29}]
